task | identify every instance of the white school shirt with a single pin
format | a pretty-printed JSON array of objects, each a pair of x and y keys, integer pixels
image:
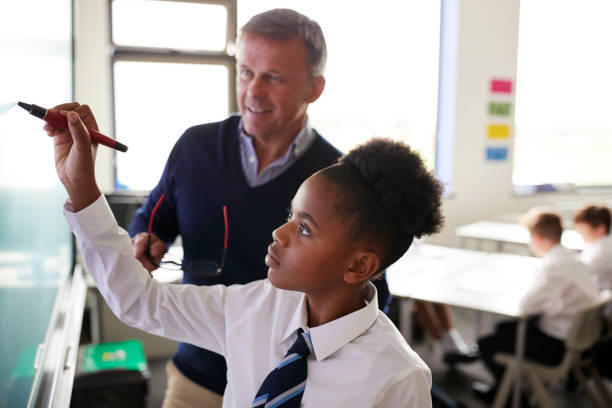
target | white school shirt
[
  {"x": 598, "y": 257},
  {"x": 360, "y": 360},
  {"x": 562, "y": 287}
]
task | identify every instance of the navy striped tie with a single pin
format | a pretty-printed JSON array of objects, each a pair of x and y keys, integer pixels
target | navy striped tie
[{"x": 284, "y": 386}]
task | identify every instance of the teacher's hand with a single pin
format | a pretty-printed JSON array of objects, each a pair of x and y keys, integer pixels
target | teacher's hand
[
  {"x": 157, "y": 249},
  {"x": 74, "y": 162}
]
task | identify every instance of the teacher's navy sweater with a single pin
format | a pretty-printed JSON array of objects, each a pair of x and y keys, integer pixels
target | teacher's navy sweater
[{"x": 203, "y": 173}]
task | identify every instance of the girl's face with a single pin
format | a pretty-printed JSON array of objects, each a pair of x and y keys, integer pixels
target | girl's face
[{"x": 311, "y": 251}]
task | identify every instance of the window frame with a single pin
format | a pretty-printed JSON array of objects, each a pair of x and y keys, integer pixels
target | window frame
[
  {"x": 224, "y": 58},
  {"x": 546, "y": 186}
]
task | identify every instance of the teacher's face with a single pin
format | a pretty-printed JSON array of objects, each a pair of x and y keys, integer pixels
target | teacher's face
[{"x": 274, "y": 87}]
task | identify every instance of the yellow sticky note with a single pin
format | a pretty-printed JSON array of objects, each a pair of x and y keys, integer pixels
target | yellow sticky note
[{"x": 498, "y": 131}]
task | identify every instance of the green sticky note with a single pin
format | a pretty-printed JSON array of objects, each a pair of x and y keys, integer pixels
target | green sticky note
[{"x": 499, "y": 108}]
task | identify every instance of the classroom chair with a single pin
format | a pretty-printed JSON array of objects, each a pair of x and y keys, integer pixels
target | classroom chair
[{"x": 585, "y": 332}]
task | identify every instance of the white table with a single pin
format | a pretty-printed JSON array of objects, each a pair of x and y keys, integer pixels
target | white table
[
  {"x": 482, "y": 281},
  {"x": 506, "y": 232}
]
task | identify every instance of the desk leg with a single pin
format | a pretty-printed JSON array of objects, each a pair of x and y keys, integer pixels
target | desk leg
[
  {"x": 520, "y": 353},
  {"x": 405, "y": 318}
]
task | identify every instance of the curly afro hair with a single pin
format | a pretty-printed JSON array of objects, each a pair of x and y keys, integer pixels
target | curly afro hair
[{"x": 386, "y": 196}]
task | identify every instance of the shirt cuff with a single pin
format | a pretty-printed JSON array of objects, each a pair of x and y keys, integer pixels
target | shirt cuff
[{"x": 91, "y": 220}]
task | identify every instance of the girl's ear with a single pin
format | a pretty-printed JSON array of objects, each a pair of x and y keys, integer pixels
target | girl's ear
[{"x": 364, "y": 265}]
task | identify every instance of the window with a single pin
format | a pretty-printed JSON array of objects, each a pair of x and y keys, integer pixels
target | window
[
  {"x": 382, "y": 74},
  {"x": 563, "y": 124},
  {"x": 35, "y": 242},
  {"x": 382, "y": 69},
  {"x": 28, "y": 44},
  {"x": 181, "y": 94},
  {"x": 176, "y": 65},
  {"x": 170, "y": 24}
]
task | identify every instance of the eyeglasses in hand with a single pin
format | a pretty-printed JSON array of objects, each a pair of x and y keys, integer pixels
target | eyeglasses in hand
[{"x": 200, "y": 267}]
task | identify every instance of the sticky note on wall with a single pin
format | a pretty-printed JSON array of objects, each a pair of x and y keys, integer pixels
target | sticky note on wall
[
  {"x": 497, "y": 153},
  {"x": 498, "y": 131},
  {"x": 501, "y": 86},
  {"x": 499, "y": 108}
]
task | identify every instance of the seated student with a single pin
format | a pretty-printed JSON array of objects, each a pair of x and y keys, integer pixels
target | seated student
[
  {"x": 562, "y": 287},
  {"x": 347, "y": 223},
  {"x": 593, "y": 223}
]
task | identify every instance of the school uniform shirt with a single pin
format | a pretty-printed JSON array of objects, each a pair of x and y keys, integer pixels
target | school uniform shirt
[
  {"x": 210, "y": 167},
  {"x": 562, "y": 287},
  {"x": 359, "y": 360},
  {"x": 598, "y": 257}
]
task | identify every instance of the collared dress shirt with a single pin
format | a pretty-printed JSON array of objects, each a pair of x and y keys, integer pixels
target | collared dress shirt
[
  {"x": 598, "y": 257},
  {"x": 563, "y": 287},
  {"x": 359, "y": 360},
  {"x": 250, "y": 163}
]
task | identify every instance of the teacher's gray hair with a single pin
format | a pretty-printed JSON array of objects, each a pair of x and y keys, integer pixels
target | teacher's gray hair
[{"x": 283, "y": 24}]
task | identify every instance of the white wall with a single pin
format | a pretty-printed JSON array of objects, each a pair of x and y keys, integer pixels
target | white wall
[
  {"x": 92, "y": 74},
  {"x": 487, "y": 48}
]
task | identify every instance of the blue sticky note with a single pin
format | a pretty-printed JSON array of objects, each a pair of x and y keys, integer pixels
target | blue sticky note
[{"x": 497, "y": 153}]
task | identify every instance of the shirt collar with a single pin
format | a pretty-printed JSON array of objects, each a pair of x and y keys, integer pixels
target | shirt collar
[
  {"x": 304, "y": 139},
  {"x": 598, "y": 244},
  {"x": 554, "y": 254},
  {"x": 604, "y": 240},
  {"x": 330, "y": 337}
]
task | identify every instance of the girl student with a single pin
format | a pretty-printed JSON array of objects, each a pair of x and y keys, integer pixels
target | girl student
[{"x": 311, "y": 333}]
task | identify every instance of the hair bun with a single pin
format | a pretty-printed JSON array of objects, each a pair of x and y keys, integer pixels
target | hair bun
[{"x": 407, "y": 192}]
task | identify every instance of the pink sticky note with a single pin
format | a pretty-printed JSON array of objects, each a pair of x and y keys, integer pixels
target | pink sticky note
[{"x": 501, "y": 85}]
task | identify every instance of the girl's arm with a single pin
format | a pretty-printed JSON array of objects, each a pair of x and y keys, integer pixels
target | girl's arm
[{"x": 185, "y": 313}]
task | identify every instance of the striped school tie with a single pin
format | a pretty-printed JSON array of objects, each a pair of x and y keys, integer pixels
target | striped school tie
[{"x": 284, "y": 386}]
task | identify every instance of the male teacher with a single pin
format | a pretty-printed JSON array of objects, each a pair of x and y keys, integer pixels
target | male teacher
[{"x": 253, "y": 163}]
